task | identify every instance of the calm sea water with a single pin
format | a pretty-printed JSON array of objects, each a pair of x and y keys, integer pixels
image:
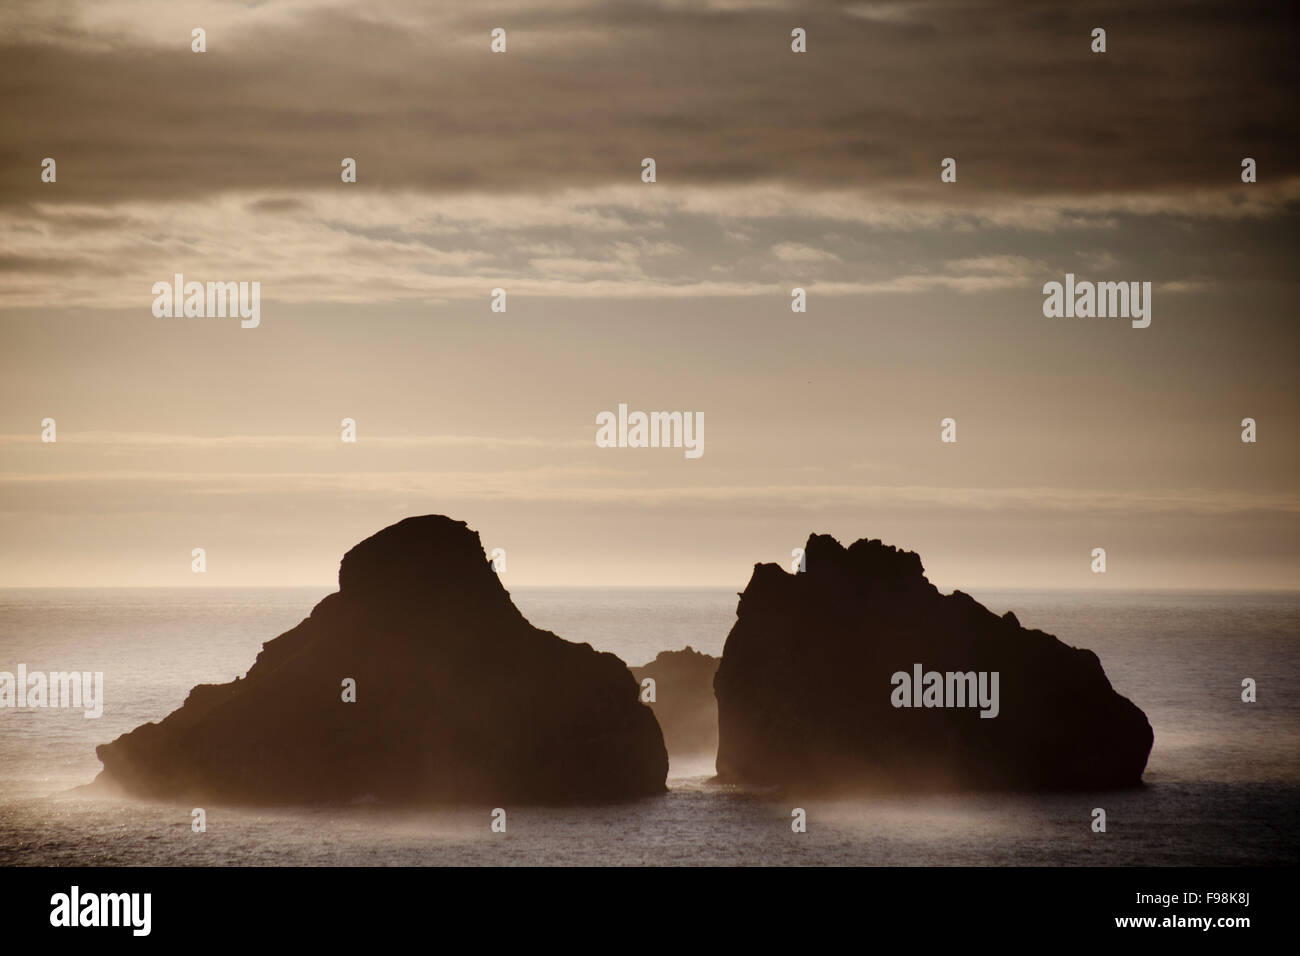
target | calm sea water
[{"x": 1223, "y": 782}]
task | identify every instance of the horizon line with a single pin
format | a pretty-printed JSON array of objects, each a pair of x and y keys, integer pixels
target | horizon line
[{"x": 628, "y": 587}]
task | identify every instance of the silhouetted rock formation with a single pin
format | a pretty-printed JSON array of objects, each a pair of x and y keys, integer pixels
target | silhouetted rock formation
[
  {"x": 458, "y": 697},
  {"x": 805, "y": 688},
  {"x": 684, "y": 702}
]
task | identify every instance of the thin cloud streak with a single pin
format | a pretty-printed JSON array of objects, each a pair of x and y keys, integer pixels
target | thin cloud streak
[
  {"x": 151, "y": 439},
  {"x": 521, "y": 485}
]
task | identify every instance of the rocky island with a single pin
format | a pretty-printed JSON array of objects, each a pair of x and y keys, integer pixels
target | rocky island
[
  {"x": 417, "y": 681},
  {"x": 858, "y": 673},
  {"x": 684, "y": 703}
]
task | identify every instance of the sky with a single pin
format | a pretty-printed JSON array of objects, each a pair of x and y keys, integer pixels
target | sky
[{"x": 774, "y": 170}]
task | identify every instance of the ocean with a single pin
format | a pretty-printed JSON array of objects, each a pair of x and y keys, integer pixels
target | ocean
[{"x": 1222, "y": 784}]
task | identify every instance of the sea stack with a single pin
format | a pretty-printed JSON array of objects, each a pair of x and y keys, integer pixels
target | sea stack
[
  {"x": 684, "y": 702},
  {"x": 816, "y": 687},
  {"x": 457, "y": 698}
]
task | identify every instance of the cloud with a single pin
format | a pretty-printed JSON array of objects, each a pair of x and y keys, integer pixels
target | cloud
[
  {"x": 711, "y": 90},
  {"x": 580, "y": 483},
  {"x": 797, "y": 252},
  {"x": 125, "y": 440},
  {"x": 521, "y": 170},
  {"x": 349, "y": 246}
]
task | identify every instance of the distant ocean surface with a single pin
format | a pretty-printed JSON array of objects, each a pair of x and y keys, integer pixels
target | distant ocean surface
[{"x": 1223, "y": 781}]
